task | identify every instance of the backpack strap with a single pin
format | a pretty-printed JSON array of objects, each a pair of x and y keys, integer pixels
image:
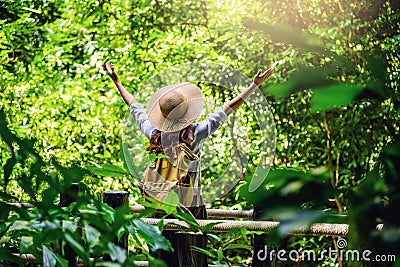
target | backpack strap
[
  {"x": 189, "y": 153},
  {"x": 194, "y": 159}
]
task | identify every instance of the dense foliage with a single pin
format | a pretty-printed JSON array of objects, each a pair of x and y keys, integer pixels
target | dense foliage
[{"x": 334, "y": 96}]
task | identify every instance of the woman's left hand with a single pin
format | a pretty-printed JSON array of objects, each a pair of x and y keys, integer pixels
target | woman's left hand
[
  {"x": 109, "y": 67},
  {"x": 262, "y": 77}
]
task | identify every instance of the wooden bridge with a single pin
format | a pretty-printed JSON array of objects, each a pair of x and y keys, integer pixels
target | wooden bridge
[{"x": 227, "y": 221}]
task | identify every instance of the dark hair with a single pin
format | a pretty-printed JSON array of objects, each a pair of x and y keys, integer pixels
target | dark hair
[{"x": 161, "y": 142}]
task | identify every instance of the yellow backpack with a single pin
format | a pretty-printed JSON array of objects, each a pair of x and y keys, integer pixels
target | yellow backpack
[{"x": 175, "y": 172}]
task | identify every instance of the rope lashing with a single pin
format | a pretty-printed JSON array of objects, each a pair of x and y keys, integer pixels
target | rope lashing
[
  {"x": 248, "y": 214},
  {"x": 330, "y": 229}
]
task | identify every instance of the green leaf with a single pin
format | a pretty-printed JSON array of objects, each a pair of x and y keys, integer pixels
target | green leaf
[
  {"x": 122, "y": 157},
  {"x": 151, "y": 234},
  {"x": 239, "y": 246},
  {"x": 25, "y": 182},
  {"x": 285, "y": 34},
  {"x": 4, "y": 211},
  {"x": 154, "y": 262},
  {"x": 49, "y": 198},
  {"x": 152, "y": 157},
  {"x": 21, "y": 225},
  {"x": 117, "y": 253},
  {"x": 334, "y": 95},
  {"x": 73, "y": 174},
  {"x": 213, "y": 236},
  {"x": 107, "y": 170},
  {"x": 204, "y": 251},
  {"x": 169, "y": 209},
  {"x": 128, "y": 160},
  {"x": 99, "y": 222},
  {"x": 172, "y": 199},
  {"x": 186, "y": 217},
  {"x": 6, "y": 255},
  {"x": 378, "y": 70},
  {"x": 92, "y": 235},
  {"x": 51, "y": 259},
  {"x": 7, "y": 197},
  {"x": 120, "y": 217},
  {"x": 74, "y": 242},
  {"x": 220, "y": 255},
  {"x": 26, "y": 243},
  {"x": 257, "y": 179},
  {"x": 208, "y": 227},
  {"x": 8, "y": 167}
]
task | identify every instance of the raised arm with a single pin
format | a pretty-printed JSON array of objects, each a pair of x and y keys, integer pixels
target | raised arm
[
  {"x": 257, "y": 81},
  {"x": 128, "y": 98}
]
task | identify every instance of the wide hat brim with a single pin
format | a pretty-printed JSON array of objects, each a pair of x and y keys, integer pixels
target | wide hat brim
[{"x": 194, "y": 101}]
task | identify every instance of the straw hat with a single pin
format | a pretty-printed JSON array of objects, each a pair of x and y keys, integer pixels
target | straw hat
[{"x": 175, "y": 106}]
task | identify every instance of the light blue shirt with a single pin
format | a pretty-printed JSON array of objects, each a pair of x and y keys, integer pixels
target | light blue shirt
[{"x": 202, "y": 129}]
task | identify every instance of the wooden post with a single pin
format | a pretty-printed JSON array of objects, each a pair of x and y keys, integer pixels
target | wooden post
[
  {"x": 261, "y": 255},
  {"x": 117, "y": 199},
  {"x": 66, "y": 198}
]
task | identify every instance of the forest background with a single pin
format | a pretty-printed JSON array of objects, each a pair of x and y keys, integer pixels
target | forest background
[{"x": 334, "y": 98}]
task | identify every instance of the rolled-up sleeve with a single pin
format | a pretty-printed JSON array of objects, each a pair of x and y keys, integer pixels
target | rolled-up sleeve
[
  {"x": 206, "y": 127},
  {"x": 139, "y": 114}
]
